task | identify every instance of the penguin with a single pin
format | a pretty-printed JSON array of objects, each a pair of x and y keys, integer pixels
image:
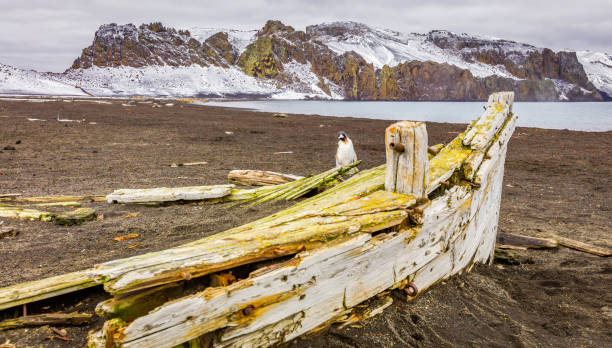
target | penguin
[{"x": 345, "y": 154}]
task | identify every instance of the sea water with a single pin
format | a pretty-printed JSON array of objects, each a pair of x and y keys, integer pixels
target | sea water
[{"x": 587, "y": 116}]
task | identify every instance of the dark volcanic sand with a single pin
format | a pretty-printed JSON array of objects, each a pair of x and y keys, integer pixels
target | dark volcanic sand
[{"x": 555, "y": 181}]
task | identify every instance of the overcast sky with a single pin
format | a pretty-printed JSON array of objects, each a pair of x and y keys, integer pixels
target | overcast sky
[{"x": 49, "y": 35}]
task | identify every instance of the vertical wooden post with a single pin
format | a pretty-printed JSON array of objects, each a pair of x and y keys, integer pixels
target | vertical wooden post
[{"x": 406, "y": 146}]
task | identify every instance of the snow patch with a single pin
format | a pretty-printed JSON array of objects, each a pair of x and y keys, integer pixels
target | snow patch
[
  {"x": 240, "y": 39},
  {"x": 598, "y": 67},
  {"x": 386, "y": 47},
  {"x": 20, "y": 81}
]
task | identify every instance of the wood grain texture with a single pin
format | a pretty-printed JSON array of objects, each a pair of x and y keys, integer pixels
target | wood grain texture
[
  {"x": 407, "y": 159},
  {"x": 259, "y": 177}
]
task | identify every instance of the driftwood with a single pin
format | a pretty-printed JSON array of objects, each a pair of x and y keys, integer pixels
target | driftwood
[
  {"x": 18, "y": 294},
  {"x": 46, "y": 319},
  {"x": 175, "y": 165},
  {"x": 581, "y": 246},
  {"x": 164, "y": 194},
  {"x": 517, "y": 241},
  {"x": 48, "y": 199},
  {"x": 74, "y": 217},
  {"x": 259, "y": 178}
]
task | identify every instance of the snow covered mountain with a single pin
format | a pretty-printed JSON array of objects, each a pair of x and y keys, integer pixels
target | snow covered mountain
[{"x": 341, "y": 60}]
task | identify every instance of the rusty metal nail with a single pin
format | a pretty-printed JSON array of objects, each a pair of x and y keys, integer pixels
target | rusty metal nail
[
  {"x": 411, "y": 290},
  {"x": 397, "y": 147},
  {"x": 248, "y": 310},
  {"x": 186, "y": 275}
]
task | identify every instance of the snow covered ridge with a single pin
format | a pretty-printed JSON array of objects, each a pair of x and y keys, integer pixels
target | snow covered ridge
[
  {"x": 155, "y": 81},
  {"x": 387, "y": 47},
  {"x": 598, "y": 67},
  {"x": 340, "y": 60},
  {"x": 19, "y": 81}
]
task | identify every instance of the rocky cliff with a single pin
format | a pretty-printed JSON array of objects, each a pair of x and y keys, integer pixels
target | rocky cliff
[{"x": 341, "y": 60}]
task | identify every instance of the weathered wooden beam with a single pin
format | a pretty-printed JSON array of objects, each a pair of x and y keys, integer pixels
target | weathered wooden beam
[
  {"x": 165, "y": 194},
  {"x": 511, "y": 241},
  {"x": 578, "y": 245},
  {"x": 134, "y": 305},
  {"x": 26, "y": 214},
  {"x": 72, "y": 319},
  {"x": 75, "y": 217},
  {"x": 69, "y": 218},
  {"x": 407, "y": 160},
  {"x": 472, "y": 148},
  {"x": 42, "y": 199},
  {"x": 18, "y": 294},
  {"x": 481, "y": 132},
  {"x": 477, "y": 157},
  {"x": 259, "y": 177},
  {"x": 187, "y": 164}
]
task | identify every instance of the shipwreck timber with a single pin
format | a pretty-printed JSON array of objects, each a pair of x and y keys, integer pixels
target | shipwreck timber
[{"x": 407, "y": 224}]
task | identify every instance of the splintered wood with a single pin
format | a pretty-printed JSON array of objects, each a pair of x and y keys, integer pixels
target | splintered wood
[{"x": 259, "y": 177}]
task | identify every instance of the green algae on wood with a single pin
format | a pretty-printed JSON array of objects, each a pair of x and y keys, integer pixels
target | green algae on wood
[
  {"x": 36, "y": 290},
  {"x": 132, "y": 306},
  {"x": 74, "y": 217}
]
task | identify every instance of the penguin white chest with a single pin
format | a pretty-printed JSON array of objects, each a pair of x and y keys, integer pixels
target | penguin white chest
[{"x": 345, "y": 154}]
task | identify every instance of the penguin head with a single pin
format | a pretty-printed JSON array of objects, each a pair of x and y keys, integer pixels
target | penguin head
[{"x": 342, "y": 136}]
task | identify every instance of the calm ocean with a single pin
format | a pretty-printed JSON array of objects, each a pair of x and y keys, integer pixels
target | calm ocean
[{"x": 575, "y": 116}]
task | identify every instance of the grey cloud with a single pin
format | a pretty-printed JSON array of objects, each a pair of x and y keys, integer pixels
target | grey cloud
[{"x": 48, "y": 36}]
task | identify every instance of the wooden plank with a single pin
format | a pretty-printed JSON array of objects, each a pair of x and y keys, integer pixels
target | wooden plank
[
  {"x": 165, "y": 194},
  {"x": 18, "y": 294},
  {"x": 496, "y": 111},
  {"x": 26, "y": 214},
  {"x": 407, "y": 160},
  {"x": 509, "y": 241},
  {"x": 473, "y": 240},
  {"x": 72, "y": 319},
  {"x": 443, "y": 165},
  {"x": 74, "y": 217},
  {"x": 578, "y": 245},
  {"x": 473, "y": 162},
  {"x": 259, "y": 177},
  {"x": 43, "y": 199}
]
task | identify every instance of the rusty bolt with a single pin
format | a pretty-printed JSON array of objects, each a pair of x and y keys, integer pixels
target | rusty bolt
[
  {"x": 248, "y": 310},
  {"x": 397, "y": 147},
  {"x": 186, "y": 275},
  {"x": 411, "y": 290}
]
